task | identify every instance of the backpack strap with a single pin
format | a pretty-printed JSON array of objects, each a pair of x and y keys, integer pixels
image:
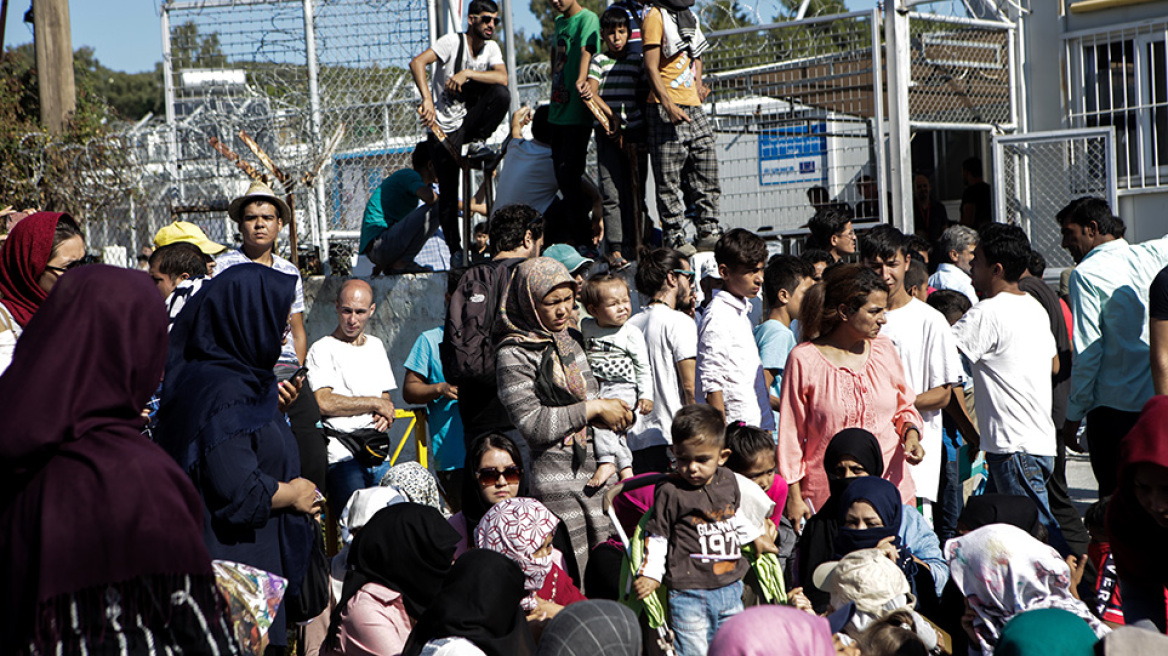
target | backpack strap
[{"x": 461, "y": 52}]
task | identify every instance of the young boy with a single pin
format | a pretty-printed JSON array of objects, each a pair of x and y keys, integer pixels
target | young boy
[
  {"x": 619, "y": 359},
  {"x": 577, "y": 39},
  {"x": 730, "y": 374},
  {"x": 614, "y": 76},
  {"x": 480, "y": 251},
  {"x": 394, "y": 228},
  {"x": 695, "y": 534},
  {"x": 681, "y": 138},
  {"x": 785, "y": 280},
  {"x": 1005, "y": 337},
  {"x": 916, "y": 279}
]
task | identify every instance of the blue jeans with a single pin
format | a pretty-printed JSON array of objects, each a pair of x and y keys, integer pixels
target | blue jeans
[
  {"x": 348, "y": 476},
  {"x": 697, "y": 614},
  {"x": 1022, "y": 474}
]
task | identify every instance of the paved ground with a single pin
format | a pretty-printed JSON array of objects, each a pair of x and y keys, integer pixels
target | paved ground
[{"x": 1080, "y": 481}]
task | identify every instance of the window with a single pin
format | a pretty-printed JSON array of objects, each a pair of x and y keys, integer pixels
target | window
[{"x": 1119, "y": 79}]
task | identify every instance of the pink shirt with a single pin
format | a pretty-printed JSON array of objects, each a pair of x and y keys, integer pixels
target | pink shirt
[
  {"x": 820, "y": 399},
  {"x": 375, "y": 623}
]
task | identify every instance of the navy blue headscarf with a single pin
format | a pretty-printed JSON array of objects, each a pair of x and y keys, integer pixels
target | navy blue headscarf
[
  {"x": 223, "y": 346},
  {"x": 884, "y": 499}
]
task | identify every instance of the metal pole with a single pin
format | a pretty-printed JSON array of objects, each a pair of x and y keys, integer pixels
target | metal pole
[
  {"x": 509, "y": 53},
  {"x": 169, "y": 95},
  {"x": 896, "y": 40},
  {"x": 880, "y": 174},
  {"x": 314, "y": 104}
]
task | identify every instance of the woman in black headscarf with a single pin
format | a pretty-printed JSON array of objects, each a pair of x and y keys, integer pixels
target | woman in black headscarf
[
  {"x": 1015, "y": 510},
  {"x": 397, "y": 564},
  {"x": 102, "y": 548},
  {"x": 852, "y": 453},
  {"x": 220, "y": 420},
  {"x": 476, "y": 609}
]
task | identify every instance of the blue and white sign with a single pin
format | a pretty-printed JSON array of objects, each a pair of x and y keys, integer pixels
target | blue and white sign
[{"x": 793, "y": 155}]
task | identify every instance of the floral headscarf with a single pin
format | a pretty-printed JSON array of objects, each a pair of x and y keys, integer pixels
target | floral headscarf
[
  {"x": 517, "y": 528},
  {"x": 533, "y": 280},
  {"x": 1003, "y": 571},
  {"x": 416, "y": 482}
]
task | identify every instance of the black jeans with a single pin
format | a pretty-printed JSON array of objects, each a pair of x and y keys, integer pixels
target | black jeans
[
  {"x": 304, "y": 417},
  {"x": 486, "y": 106},
  {"x": 1061, "y": 506},
  {"x": 1105, "y": 428},
  {"x": 570, "y": 157}
]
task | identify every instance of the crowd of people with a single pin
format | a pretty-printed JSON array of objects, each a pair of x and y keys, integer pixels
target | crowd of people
[
  {"x": 874, "y": 464},
  {"x": 859, "y": 449}
]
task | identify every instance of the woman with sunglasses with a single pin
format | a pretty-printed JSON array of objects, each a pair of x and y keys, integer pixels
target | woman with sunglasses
[
  {"x": 38, "y": 251},
  {"x": 494, "y": 472}
]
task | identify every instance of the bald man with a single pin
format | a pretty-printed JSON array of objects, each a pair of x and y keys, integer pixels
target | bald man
[{"x": 350, "y": 377}]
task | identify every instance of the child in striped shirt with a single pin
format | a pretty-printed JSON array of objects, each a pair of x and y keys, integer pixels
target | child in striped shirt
[{"x": 616, "y": 78}]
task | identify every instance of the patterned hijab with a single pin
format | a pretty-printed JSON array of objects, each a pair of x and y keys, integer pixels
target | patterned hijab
[
  {"x": 417, "y": 483},
  {"x": 516, "y": 528},
  {"x": 532, "y": 281},
  {"x": 1003, "y": 571}
]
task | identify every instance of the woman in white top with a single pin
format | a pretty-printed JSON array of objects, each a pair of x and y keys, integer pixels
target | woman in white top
[{"x": 38, "y": 251}]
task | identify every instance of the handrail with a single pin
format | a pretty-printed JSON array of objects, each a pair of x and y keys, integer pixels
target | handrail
[{"x": 417, "y": 417}]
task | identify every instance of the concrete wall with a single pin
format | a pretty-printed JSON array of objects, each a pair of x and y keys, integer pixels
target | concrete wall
[{"x": 407, "y": 305}]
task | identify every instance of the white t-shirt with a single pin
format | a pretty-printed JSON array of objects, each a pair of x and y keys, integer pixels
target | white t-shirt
[
  {"x": 450, "y": 109},
  {"x": 527, "y": 176},
  {"x": 1008, "y": 341},
  {"x": 671, "y": 336},
  {"x": 929, "y": 353},
  {"x": 728, "y": 362},
  {"x": 349, "y": 370},
  {"x": 9, "y": 333}
]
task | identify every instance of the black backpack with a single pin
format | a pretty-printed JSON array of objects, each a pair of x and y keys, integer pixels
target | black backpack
[{"x": 468, "y": 346}]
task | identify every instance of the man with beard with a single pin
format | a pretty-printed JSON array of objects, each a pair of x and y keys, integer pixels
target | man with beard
[
  {"x": 467, "y": 98},
  {"x": 664, "y": 276}
]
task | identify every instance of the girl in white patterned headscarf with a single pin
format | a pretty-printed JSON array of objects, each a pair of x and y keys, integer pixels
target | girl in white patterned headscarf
[
  {"x": 1003, "y": 571},
  {"x": 521, "y": 529}
]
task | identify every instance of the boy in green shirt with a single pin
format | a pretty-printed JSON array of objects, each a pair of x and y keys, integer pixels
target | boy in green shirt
[
  {"x": 394, "y": 228},
  {"x": 577, "y": 39}
]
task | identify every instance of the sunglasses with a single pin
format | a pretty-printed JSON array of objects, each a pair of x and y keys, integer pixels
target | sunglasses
[
  {"x": 692, "y": 275},
  {"x": 68, "y": 267},
  {"x": 489, "y": 19},
  {"x": 490, "y": 476}
]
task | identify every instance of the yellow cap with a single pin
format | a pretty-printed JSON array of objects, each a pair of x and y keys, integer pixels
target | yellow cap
[{"x": 188, "y": 232}]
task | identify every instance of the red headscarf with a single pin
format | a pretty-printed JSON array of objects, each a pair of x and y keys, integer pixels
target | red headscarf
[
  {"x": 1136, "y": 539},
  {"x": 23, "y": 259}
]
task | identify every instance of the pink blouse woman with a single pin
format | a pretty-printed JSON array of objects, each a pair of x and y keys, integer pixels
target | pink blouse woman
[{"x": 846, "y": 376}]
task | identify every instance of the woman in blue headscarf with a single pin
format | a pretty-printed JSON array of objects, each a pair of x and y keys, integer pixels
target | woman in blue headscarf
[
  {"x": 870, "y": 515},
  {"x": 219, "y": 419}
]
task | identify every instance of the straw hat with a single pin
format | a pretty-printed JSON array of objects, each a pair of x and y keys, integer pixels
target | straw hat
[{"x": 258, "y": 191}]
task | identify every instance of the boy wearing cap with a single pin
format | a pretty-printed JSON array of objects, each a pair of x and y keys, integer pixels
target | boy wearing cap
[{"x": 182, "y": 231}]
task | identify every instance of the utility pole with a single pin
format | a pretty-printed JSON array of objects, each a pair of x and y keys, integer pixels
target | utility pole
[{"x": 54, "y": 62}]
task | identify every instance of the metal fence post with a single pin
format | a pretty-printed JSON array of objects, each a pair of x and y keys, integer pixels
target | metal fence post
[
  {"x": 317, "y": 141},
  {"x": 896, "y": 39},
  {"x": 168, "y": 91},
  {"x": 509, "y": 55}
]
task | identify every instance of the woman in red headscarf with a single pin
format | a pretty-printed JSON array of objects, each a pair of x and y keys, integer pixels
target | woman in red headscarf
[
  {"x": 37, "y": 252},
  {"x": 1137, "y": 517}
]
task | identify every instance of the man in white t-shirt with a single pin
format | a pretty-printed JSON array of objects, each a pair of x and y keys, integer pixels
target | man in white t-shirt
[
  {"x": 956, "y": 252},
  {"x": 1007, "y": 339},
  {"x": 350, "y": 377},
  {"x": 466, "y": 98},
  {"x": 926, "y": 347},
  {"x": 665, "y": 279}
]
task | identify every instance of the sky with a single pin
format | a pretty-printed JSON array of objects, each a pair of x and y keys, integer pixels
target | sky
[{"x": 125, "y": 34}]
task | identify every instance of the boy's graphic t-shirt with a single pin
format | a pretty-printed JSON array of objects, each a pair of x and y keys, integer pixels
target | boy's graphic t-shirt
[
  {"x": 580, "y": 32},
  {"x": 704, "y": 534}
]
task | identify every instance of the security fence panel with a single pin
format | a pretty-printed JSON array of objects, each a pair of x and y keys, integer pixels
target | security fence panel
[
  {"x": 961, "y": 72},
  {"x": 1040, "y": 172},
  {"x": 797, "y": 105}
]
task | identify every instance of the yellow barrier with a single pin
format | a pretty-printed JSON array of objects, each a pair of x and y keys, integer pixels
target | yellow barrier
[{"x": 417, "y": 427}]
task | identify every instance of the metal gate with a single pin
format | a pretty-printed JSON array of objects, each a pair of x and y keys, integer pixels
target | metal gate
[{"x": 1040, "y": 172}]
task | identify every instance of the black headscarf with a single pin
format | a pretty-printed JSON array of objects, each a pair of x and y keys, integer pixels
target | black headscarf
[
  {"x": 592, "y": 628},
  {"x": 479, "y": 601},
  {"x": 406, "y": 547},
  {"x": 223, "y": 346},
  {"x": 985, "y": 509},
  {"x": 817, "y": 543}
]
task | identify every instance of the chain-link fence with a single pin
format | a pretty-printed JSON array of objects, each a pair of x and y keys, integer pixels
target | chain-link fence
[
  {"x": 1043, "y": 171},
  {"x": 961, "y": 71},
  {"x": 797, "y": 105}
]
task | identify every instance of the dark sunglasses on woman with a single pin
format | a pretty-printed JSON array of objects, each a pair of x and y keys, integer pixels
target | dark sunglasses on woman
[{"x": 490, "y": 475}]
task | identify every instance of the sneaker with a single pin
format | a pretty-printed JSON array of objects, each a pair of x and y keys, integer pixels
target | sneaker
[
  {"x": 616, "y": 262},
  {"x": 479, "y": 152},
  {"x": 706, "y": 243}
]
